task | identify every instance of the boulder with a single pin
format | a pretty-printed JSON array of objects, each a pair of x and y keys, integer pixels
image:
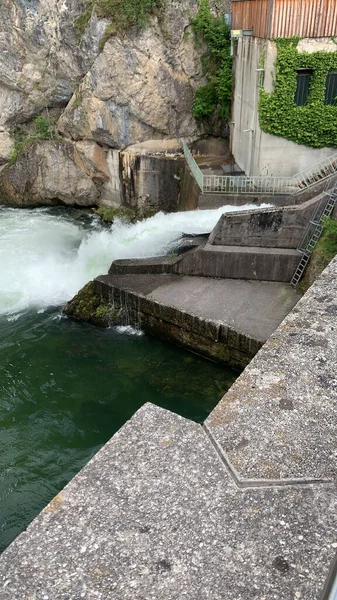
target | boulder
[{"x": 46, "y": 173}]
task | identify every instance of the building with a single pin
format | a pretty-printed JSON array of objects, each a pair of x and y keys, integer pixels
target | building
[{"x": 284, "y": 116}]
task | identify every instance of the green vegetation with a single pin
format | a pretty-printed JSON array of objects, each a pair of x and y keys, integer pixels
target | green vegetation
[
  {"x": 324, "y": 252},
  {"x": 43, "y": 129},
  {"x": 130, "y": 215},
  {"x": 82, "y": 22},
  {"x": 122, "y": 14},
  {"x": 88, "y": 306},
  {"x": 214, "y": 99},
  {"x": 314, "y": 124}
]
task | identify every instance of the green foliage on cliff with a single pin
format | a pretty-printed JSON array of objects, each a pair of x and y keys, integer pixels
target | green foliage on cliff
[
  {"x": 214, "y": 99},
  {"x": 315, "y": 123},
  {"x": 324, "y": 252},
  {"x": 43, "y": 129},
  {"x": 122, "y": 14},
  {"x": 129, "y": 215}
]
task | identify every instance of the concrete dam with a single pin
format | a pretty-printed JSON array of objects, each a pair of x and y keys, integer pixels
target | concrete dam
[{"x": 242, "y": 506}]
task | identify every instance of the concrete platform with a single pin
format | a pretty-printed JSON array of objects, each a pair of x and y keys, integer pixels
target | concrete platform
[
  {"x": 255, "y": 308},
  {"x": 242, "y": 508},
  {"x": 282, "y": 422},
  {"x": 156, "y": 515},
  {"x": 227, "y": 320}
]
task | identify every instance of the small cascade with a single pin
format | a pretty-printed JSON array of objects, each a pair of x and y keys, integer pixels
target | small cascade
[{"x": 47, "y": 255}]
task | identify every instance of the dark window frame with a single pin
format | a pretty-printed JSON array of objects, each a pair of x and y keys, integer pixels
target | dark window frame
[
  {"x": 331, "y": 88},
  {"x": 304, "y": 77}
]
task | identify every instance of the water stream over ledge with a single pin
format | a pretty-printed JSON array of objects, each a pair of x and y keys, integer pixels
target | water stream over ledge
[{"x": 65, "y": 388}]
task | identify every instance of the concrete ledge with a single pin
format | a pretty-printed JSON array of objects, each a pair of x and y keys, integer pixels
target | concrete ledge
[
  {"x": 183, "y": 310},
  {"x": 240, "y": 262},
  {"x": 146, "y": 266},
  {"x": 156, "y": 515},
  {"x": 279, "y": 419}
]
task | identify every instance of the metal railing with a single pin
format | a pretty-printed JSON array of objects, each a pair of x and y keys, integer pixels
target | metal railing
[
  {"x": 196, "y": 172},
  {"x": 319, "y": 171},
  {"x": 232, "y": 184}
]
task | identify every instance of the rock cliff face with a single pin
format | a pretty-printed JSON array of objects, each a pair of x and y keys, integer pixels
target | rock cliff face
[{"x": 139, "y": 87}]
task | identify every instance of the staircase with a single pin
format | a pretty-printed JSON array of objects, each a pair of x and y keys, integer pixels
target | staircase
[{"x": 313, "y": 232}]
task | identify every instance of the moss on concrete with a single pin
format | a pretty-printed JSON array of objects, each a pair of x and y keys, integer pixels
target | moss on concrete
[{"x": 89, "y": 307}]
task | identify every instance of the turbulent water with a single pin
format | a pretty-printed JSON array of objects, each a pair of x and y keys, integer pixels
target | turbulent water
[
  {"x": 65, "y": 387},
  {"x": 47, "y": 256}
]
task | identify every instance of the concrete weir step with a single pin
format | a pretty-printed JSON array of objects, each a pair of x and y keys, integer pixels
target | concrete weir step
[
  {"x": 241, "y": 262},
  {"x": 227, "y": 320}
]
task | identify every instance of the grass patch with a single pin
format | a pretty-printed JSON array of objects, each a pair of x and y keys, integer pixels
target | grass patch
[
  {"x": 43, "y": 129},
  {"x": 325, "y": 250},
  {"x": 122, "y": 15},
  {"x": 82, "y": 21}
]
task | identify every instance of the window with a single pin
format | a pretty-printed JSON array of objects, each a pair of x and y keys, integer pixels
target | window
[
  {"x": 331, "y": 88},
  {"x": 303, "y": 86}
]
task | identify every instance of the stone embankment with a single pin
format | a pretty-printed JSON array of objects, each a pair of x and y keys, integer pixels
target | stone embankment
[{"x": 244, "y": 507}]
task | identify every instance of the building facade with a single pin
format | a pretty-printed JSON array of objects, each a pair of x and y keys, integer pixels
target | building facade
[{"x": 284, "y": 116}]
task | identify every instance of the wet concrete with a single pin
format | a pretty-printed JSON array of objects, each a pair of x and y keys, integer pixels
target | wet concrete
[{"x": 227, "y": 320}]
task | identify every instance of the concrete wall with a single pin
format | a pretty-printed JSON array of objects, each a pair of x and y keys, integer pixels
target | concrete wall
[
  {"x": 235, "y": 262},
  {"x": 151, "y": 174},
  {"x": 271, "y": 228},
  {"x": 256, "y": 152},
  {"x": 246, "y": 96},
  {"x": 112, "y": 189}
]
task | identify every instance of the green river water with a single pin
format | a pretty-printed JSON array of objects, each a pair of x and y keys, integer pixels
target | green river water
[{"x": 65, "y": 387}]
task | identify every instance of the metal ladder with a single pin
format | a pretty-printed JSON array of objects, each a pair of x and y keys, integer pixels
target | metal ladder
[{"x": 313, "y": 233}]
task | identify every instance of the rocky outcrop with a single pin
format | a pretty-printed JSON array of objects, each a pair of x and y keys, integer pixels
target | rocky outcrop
[
  {"x": 141, "y": 86},
  {"x": 138, "y": 87},
  {"x": 40, "y": 59},
  {"x": 47, "y": 173}
]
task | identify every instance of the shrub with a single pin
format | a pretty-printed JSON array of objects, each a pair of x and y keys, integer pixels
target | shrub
[
  {"x": 122, "y": 15},
  {"x": 43, "y": 129},
  {"x": 214, "y": 99}
]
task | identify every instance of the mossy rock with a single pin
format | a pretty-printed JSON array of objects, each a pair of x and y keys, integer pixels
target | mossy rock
[
  {"x": 129, "y": 215},
  {"x": 88, "y": 306}
]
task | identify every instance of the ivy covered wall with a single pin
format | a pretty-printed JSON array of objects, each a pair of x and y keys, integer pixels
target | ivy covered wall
[{"x": 314, "y": 124}]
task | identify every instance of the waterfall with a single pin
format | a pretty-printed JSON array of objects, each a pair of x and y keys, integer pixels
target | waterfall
[{"x": 47, "y": 255}]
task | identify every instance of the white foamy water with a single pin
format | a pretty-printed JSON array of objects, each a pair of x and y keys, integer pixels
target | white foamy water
[{"x": 46, "y": 258}]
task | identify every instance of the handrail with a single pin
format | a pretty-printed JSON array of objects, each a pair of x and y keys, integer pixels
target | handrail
[{"x": 261, "y": 184}]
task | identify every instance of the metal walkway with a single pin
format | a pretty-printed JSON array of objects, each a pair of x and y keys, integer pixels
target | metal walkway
[
  {"x": 231, "y": 184},
  {"x": 313, "y": 232}
]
